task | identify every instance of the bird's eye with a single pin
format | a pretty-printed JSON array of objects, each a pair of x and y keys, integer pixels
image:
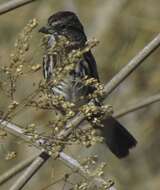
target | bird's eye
[{"x": 62, "y": 26}]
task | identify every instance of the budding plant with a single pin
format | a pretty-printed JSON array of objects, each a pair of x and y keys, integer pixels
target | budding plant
[{"x": 42, "y": 98}]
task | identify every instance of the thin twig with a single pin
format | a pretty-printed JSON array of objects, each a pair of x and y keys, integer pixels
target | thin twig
[
  {"x": 74, "y": 164},
  {"x": 16, "y": 169},
  {"x": 139, "y": 105},
  {"x": 13, "y": 4},
  {"x": 43, "y": 157}
]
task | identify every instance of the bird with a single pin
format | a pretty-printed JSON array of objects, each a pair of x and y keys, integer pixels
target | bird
[{"x": 66, "y": 23}]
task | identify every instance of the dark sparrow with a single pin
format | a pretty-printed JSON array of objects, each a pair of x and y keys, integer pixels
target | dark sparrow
[{"x": 67, "y": 24}]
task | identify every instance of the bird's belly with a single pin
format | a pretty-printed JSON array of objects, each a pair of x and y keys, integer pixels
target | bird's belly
[
  {"x": 72, "y": 91},
  {"x": 62, "y": 89}
]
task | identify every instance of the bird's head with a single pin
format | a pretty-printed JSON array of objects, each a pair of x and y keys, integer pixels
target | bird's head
[{"x": 62, "y": 22}]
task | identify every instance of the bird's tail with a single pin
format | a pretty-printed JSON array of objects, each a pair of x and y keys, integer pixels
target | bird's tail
[{"x": 117, "y": 138}]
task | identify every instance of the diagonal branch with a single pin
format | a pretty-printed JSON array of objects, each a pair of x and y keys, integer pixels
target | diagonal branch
[
  {"x": 43, "y": 157},
  {"x": 30, "y": 171},
  {"x": 139, "y": 105},
  {"x": 16, "y": 169},
  {"x": 13, "y": 4}
]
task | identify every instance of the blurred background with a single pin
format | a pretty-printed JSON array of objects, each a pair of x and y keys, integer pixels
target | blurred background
[{"x": 123, "y": 28}]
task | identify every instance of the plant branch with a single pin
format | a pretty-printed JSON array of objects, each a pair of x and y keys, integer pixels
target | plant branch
[
  {"x": 13, "y": 4},
  {"x": 16, "y": 169},
  {"x": 30, "y": 171},
  {"x": 43, "y": 157},
  {"x": 139, "y": 105}
]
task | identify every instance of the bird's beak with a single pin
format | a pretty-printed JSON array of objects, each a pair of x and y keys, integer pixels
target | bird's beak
[{"x": 44, "y": 30}]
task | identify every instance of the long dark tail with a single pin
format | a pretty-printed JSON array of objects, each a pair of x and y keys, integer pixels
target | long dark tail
[{"x": 118, "y": 139}]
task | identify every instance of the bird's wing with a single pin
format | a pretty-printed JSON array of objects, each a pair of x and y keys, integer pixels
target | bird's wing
[{"x": 89, "y": 58}]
